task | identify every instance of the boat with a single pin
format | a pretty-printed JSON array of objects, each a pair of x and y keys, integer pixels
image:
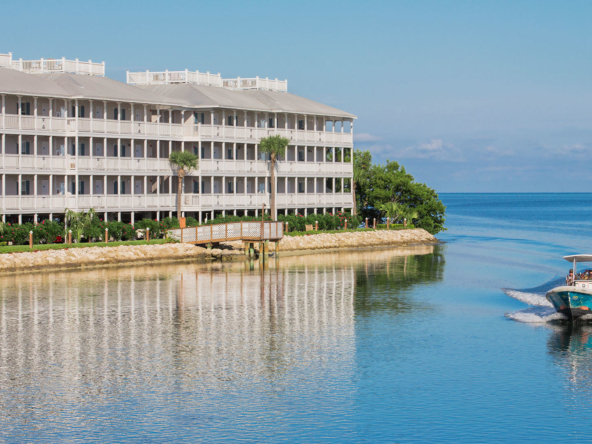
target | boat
[{"x": 574, "y": 299}]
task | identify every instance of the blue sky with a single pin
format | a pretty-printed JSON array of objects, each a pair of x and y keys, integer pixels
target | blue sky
[{"x": 469, "y": 95}]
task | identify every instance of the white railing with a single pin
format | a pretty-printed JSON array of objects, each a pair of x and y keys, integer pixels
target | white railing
[
  {"x": 191, "y": 202},
  {"x": 45, "y": 66},
  {"x": 176, "y": 130},
  {"x": 171, "y": 77},
  {"x": 228, "y": 231},
  {"x": 265, "y": 84},
  {"x": 6, "y": 60}
]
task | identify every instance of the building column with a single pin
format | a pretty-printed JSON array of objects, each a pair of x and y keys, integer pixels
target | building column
[
  {"x": 118, "y": 120},
  {"x": 35, "y": 113}
]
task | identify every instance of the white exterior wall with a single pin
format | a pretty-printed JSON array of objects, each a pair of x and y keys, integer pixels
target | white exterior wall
[{"x": 52, "y": 135}]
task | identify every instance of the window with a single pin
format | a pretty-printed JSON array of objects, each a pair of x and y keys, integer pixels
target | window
[
  {"x": 73, "y": 188},
  {"x": 231, "y": 120},
  {"x": 301, "y": 124},
  {"x": 203, "y": 187},
  {"x": 300, "y": 156},
  {"x": 261, "y": 187},
  {"x": 199, "y": 118},
  {"x": 25, "y": 108},
  {"x": 26, "y": 148},
  {"x": 301, "y": 186},
  {"x": 115, "y": 112},
  {"x": 122, "y": 150},
  {"x": 115, "y": 191},
  {"x": 230, "y": 156},
  {"x": 195, "y": 150},
  {"x": 230, "y": 187},
  {"x": 81, "y": 111},
  {"x": 122, "y": 113},
  {"x": 195, "y": 187},
  {"x": 25, "y": 190},
  {"x": 81, "y": 150},
  {"x": 271, "y": 122},
  {"x": 203, "y": 152},
  {"x": 114, "y": 150},
  {"x": 81, "y": 187}
]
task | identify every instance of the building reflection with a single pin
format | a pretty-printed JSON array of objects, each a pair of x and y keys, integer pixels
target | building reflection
[{"x": 195, "y": 327}]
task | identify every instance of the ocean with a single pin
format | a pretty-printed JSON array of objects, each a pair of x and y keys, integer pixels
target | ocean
[{"x": 421, "y": 344}]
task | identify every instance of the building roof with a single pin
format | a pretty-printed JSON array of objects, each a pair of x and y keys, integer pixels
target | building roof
[
  {"x": 268, "y": 101},
  {"x": 104, "y": 88},
  {"x": 188, "y": 95},
  {"x": 16, "y": 82}
]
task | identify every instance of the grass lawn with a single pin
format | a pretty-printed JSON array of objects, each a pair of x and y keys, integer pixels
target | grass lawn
[{"x": 42, "y": 247}]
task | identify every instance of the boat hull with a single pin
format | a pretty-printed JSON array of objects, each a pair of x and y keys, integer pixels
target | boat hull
[{"x": 571, "y": 302}]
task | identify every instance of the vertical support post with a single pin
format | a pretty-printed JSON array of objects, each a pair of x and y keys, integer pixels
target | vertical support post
[
  {"x": 366, "y": 223},
  {"x": 106, "y": 233},
  {"x": 31, "y": 239},
  {"x": 374, "y": 224},
  {"x": 147, "y": 234},
  {"x": 70, "y": 237},
  {"x": 345, "y": 226}
]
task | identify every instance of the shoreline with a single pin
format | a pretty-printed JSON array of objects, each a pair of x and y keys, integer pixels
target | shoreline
[{"x": 48, "y": 261}]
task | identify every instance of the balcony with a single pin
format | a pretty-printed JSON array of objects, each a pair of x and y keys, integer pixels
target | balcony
[
  {"x": 49, "y": 66},
  {"x": 154, "y": 202},
  {"x": 164, "y": 130},
  {"x": 84, "y": 163},
  {"x": 266, "y": 84},
  {"x": 173, "y": 77}
]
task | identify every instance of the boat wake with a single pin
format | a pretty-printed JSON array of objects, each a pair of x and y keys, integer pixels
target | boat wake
[{"x": 541, "y": 310}]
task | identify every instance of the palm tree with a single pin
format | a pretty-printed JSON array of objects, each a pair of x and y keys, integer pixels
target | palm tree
[
  {"x": 275, "y": 146},
  {"x": 410, "y": 214},
  {"x": 391, "y": 210},
  {"x": 185, "y": 162},
  {"x": 79, "y": 222}
]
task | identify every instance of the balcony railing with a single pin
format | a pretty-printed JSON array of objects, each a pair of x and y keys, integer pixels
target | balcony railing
[
  {"x": 48, "y": 66},
  {"x": 265, "y": 84},
  {"x": 206, "y": 79},
  {"x": 216, "y": 167},
  {"x": 172, "y": 77},
  {"x": 191, "y": 202},
  {"x": 174, "y": 131}
]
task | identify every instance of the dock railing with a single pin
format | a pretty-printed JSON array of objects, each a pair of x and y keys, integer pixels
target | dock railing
[{"x": 231, "y": 231}]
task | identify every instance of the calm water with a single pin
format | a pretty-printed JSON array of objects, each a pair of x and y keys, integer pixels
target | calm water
[{"x": 417, "y": 344}]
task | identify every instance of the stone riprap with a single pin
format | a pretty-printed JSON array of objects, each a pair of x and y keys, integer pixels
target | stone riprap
[
  {"x": 96, "y": 256},
  {"x": 103, "y": 256},
  {"x": 357, "y": 239}
]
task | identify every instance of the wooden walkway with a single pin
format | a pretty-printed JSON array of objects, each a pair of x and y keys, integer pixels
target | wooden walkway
[{"x": 231, "y": 231}]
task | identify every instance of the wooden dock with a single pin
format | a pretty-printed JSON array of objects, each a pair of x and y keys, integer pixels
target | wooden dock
[{"x": 231, "y": 231}]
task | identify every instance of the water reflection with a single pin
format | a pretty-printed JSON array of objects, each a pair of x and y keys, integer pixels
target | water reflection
[
  {"x": 570, "y": 345},
  {"x": 130, "y": 351}
]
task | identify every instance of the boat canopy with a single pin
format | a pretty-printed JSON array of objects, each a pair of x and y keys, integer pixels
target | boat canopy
[{"x": 579, "y": 258}]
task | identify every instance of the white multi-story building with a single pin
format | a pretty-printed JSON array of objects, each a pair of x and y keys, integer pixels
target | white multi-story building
[{"x": 72, "y": 138}]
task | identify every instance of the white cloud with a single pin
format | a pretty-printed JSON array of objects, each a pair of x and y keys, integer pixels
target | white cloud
[
  {"x": 435, "y": 149},
  {"x": 365, "y": 137}
]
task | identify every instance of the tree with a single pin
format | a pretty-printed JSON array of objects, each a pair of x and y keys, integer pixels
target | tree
[
  {"x": 376, "y": 185},
  {"x": 362, "y": 164},
  {"x": 275, "y": 146},
  {"x": 185, "y": 162},
  {"x": 390, "y": 210},
  {"x": 79, "y": 222}
]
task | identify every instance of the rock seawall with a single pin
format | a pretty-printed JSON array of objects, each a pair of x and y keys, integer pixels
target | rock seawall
[
  {"x": 104, "y": 256},
  {"x": 357, "y": 239}
]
